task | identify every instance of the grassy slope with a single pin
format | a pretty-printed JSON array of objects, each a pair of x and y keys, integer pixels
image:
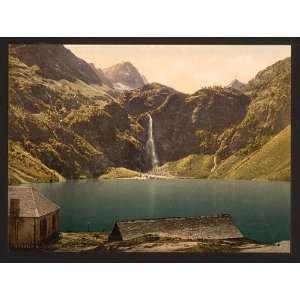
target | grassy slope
[
  {"x": 194, "y": 165},
  {"x": 271, "y": 162},
  {"x": 119, "y": 173},
  {"x": 22, "y": 167},
  {"x": 48, "y": 138}
]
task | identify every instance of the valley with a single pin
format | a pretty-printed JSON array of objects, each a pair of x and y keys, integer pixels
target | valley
[{"x": 71, "y": 120}]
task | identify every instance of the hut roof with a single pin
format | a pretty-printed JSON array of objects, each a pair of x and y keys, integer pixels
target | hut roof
[
  {"x": 203, "y": 227},
  {"x": 32, "y": 202}
]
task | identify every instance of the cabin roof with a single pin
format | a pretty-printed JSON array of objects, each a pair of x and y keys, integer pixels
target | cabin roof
[
  {"x": 32, "y": 202},
  {"x": 202, "y": 227}
]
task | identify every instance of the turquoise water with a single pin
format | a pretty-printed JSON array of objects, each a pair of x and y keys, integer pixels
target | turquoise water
[{"x": 260, "y": 209}]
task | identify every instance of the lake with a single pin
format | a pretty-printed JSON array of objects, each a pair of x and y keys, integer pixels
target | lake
[{"x": 260, "y": 209}]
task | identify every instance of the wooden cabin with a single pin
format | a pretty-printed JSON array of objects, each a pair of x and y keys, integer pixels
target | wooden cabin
[
  {"x": 33, "y": 219},
  {"x": 198, "y": 228}
]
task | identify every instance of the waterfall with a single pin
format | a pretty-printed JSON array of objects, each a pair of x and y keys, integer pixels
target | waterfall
[
  {"x": 215, "y": 164},
  {"x": 150, "y": 145}
]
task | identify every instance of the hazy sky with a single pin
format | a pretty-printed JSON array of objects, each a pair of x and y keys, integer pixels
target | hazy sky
[{"x": 187, "y": 68}]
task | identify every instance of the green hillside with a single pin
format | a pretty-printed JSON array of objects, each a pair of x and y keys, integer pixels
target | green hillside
[
  {"x": 271, "y": 162},
  {"x": 194, "y": 165},
  {"x": 119, "y": 173},
  {"x": 23, "y": 167}
]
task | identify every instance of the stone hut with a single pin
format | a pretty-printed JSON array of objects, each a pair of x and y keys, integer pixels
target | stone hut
[
  {"x": 33, "y": 219},
  {"x": 203, "y": 227}
]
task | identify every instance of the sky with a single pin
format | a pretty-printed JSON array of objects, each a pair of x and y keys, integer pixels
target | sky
[{"x": 187, "y": 68}]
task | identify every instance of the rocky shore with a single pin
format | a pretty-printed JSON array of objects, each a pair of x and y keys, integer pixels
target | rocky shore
[{"x": 98, "y": 241}]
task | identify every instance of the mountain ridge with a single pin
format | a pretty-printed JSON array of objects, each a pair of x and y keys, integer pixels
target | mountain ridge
[
  {"x": 64, "y": 64},
  {"x": 78, "y": 125}
]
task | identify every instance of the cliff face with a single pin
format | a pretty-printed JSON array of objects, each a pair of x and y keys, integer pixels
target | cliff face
[
  {"x": 186, "y": 125},
  {"x": 68, "y": 119}
]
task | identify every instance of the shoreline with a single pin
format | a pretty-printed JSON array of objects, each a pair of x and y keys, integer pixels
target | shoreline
[
  {"x": 151, "y": 177},
  {"x": 98, "y": 241}
]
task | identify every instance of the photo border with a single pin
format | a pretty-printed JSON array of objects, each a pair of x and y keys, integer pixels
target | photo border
[{"x": 89, "y": 257}]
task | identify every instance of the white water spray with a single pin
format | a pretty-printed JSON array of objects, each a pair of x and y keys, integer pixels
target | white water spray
[
  {"x": 215, "y": 164},
  {"x": 150, "y": 145}
]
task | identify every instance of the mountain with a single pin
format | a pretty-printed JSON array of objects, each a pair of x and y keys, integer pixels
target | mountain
[
  {"x": 68, "y": 125},
  {"x": 66, "y": 119},
  {"x": 146, "y": 98},
  {"x": 226, "y": 124},
  {"x": 268, "y": 113},
  {"x": 235, "y": 84},
  {"x": 192, "y": 124},
  {"x": 55, "y": 62},
  {"x": 125, "y": 76},
  {"x": 145, "y": 79},
  {"x": 270, "y": 162},
  {"x": 101, "y": 75},
  {"x": 23, "y": 167}
]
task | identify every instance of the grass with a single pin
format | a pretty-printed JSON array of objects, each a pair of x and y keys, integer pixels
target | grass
[
  {"x": 25, "y": 168},
  {"x": 112, "y": 173},
  {"x": 194, "y": 165},
  {"x": 271, "y": 162}
]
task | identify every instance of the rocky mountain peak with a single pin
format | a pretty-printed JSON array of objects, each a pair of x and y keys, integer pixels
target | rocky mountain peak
[
  {"x": 235, "y": 84},
  {"x": 125, "y": 76}
]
